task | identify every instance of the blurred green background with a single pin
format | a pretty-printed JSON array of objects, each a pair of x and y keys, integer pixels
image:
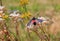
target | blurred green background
[{"x": 34, "y": 7}]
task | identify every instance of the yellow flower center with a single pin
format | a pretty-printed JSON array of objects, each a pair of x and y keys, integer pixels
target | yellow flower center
[
  {"x": 22, "y": 2},
  {"x": 5, "y": 16},
  {"x": 26, "y": 14}
]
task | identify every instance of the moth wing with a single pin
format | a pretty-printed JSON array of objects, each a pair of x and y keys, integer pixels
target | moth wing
[
  {"x": 40, "y": 20},
  {"x": 29, "y": 23}
]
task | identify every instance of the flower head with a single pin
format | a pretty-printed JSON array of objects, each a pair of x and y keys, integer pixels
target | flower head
[
  {"x": 5, "y": 16},
  {"x": 22, "y": 16},
  {"x": 23, "y": 2},
  {"x": 1, "y": 15},
  {"x": 15, "y": 14},
  {"x": 1, "y": 19},
  {"x": 1, "y": 12},
  {"x": 26, "y": 14},
  {"x": 2, "y": 7}
]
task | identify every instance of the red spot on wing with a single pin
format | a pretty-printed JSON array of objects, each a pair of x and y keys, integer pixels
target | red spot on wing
[{"x": 33, "y": 21}]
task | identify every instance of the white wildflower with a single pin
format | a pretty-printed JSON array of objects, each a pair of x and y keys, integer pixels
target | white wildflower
[
  {"x": 1, "y": 7},
  {"x": 1, "y": 19},
  {"x": 1, "y": 12}
]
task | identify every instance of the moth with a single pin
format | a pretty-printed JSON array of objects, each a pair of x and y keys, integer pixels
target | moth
[{"x": 34, "y": 21}]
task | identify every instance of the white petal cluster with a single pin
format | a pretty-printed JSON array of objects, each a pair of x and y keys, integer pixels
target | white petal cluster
[
  {"x": 1, "y": 7},
  {"x": 14, "y": 14},
  {"x": 1, "y": 12},
  {"x": 1, "y": 19}
]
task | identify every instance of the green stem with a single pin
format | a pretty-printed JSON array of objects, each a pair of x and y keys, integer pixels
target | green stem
[
  {"x": 25, "y": 8},
  {"x": 1, "y": 2}
]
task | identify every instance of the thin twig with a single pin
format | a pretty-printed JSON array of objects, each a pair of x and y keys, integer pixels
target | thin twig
[
  {"x": 17, "y": 32},
  {"x": 6, "y": 32},
  {"x": 38, "y": 34},
  {"x": 29, "y": 34},
  {"x": 41, "y": 27}
]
